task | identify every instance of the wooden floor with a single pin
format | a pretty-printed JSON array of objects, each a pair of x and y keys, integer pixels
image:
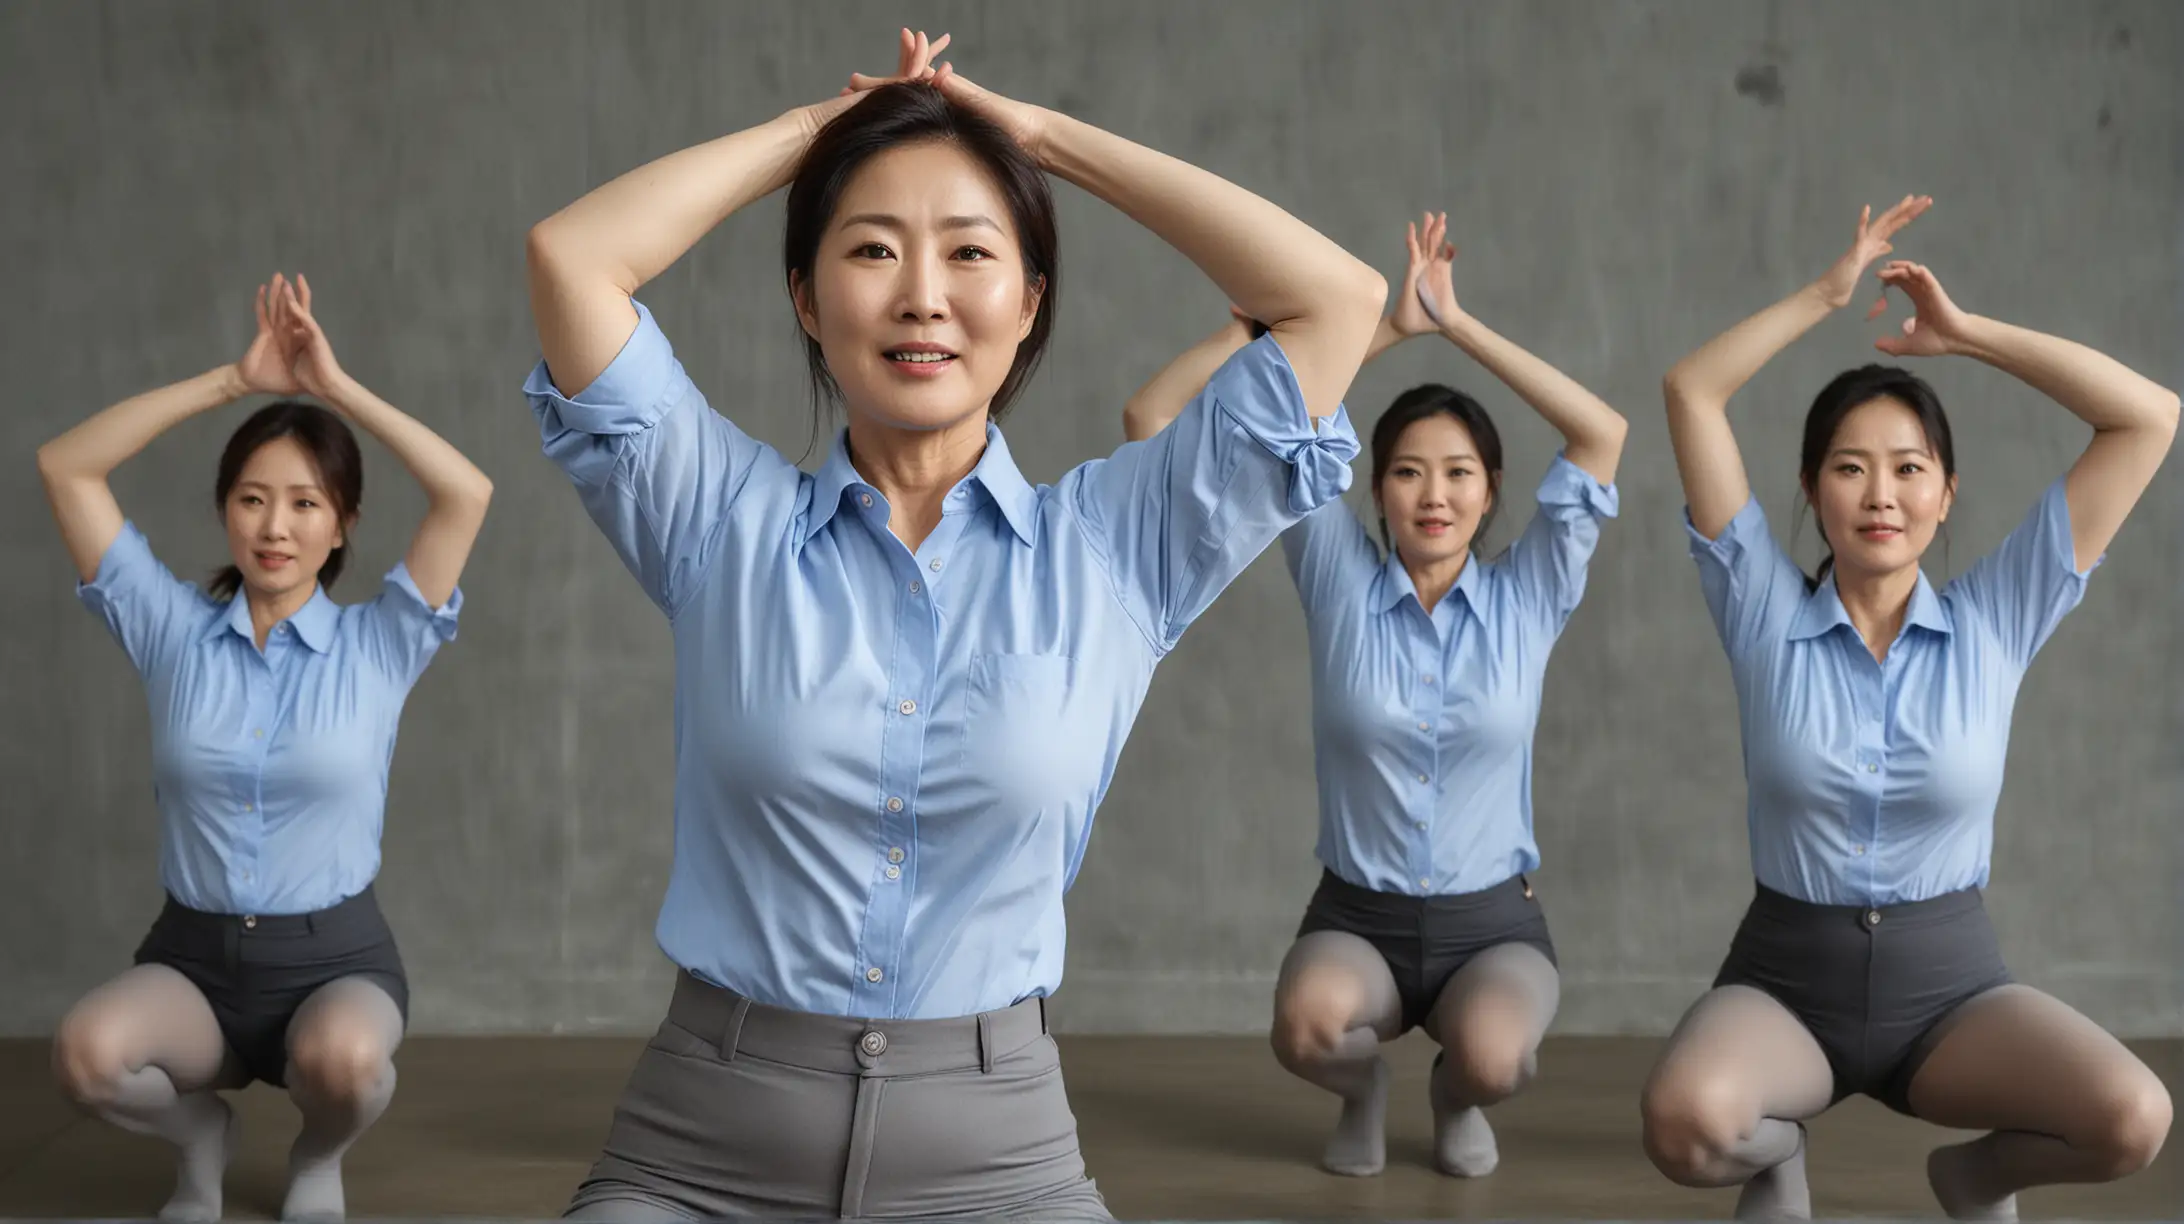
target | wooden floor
[{"x": 1173, "y": 1128}]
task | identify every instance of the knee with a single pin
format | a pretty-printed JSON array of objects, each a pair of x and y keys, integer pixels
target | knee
[
  {"x": 1304, "y": 1040},
  {"x": 89, "y": 1065},
  {"x": 1482, "y": 1073},
  {"x": 2134, "y": 1122},
  {"x": 1691, "y": 1124},
  {"x": 338, "y": 1066}
]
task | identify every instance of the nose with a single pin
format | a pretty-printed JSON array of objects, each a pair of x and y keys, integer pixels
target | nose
[{"x": 922, "y": 289}]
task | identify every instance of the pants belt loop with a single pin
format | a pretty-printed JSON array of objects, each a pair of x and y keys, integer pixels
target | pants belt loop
[
  {"x": 731, "y": 1034},
  {"x": 985, "y": 1042},
  {"x": 1043, "y": 1027}
]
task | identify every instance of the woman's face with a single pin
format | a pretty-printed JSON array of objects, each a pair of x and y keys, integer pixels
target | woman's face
[
  {"x": 281, "y": 525},
  {"x": 917, "y": 295},
  {"x": 1880, "y": 493},
  {"x": 1435, "y": 491}
]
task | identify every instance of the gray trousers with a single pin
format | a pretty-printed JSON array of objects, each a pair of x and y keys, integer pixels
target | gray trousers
[{"x": 737, "y": 1109}]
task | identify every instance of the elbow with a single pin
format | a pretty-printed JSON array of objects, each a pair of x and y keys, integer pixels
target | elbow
[
  {"x": 53, "y": 465},
  {"x": 542, "y": 249},
  {"x": 1372, "y": 293}
]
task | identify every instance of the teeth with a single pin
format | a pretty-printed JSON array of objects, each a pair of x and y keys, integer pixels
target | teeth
[{"x": 919, "y": 358}]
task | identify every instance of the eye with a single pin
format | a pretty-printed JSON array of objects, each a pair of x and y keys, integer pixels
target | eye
[
  {"x": 1910, "y": 469},
  {"x": 1458, "y": 473},
  {"x": 1405, "y": 470},
  {"x": 249, "y": 499},
  {"x": 972, "y": 254},
  {"x": 306, "y": 503},
  {"x": 871, "y": 250},
  {"x": 1849, "y": 469}
]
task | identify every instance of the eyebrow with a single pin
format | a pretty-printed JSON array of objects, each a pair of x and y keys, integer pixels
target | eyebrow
[
  {"x": 1407, "y": 457},
  {"x": 890, "y": 221},
  {"x": 259, "y": 484},
  {"x": 1862, "y": 453}
]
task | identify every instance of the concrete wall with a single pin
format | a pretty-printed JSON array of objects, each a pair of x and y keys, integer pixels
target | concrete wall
[{"x": 1624, "y": 179}]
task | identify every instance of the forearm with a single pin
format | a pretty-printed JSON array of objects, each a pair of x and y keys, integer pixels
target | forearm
[
  {"x": 1385, "y": 337},
  {"x": 1167, "y": 393},
  {"x": 1274, "y": 267},
  {"x": 99, "y": 445},
  {"x": 446, "y": 474},
  {"x": 1714, "y": 373},
  {"x": 631, "y": 229},
  {"x": 2101, "y": 391},
  {"x": 1593, "y": 431}
]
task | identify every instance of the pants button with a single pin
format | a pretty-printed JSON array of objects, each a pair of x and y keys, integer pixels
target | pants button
[
  {"x": 250, "y": 922},
  {"x": 873, "y": 1043},
  {"x": 1873, "y": 917}
]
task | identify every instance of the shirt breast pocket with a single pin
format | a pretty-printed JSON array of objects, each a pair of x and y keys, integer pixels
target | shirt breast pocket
[{"x": 1016, "y": 734}]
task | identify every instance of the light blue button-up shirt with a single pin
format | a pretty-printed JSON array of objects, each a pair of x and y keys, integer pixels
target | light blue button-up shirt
[
  {"x": 887, "y": 762},
  {"x": 269, "y": 769},
  {"x": 1874, "y": 783},
  {"x": 1422, "y": 725}
]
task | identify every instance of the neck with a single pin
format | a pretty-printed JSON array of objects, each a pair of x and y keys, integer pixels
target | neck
[
  {"x": 1434, "y": 581},
  {"x": 1877, "y": 603},
  {"x": 267, "y": 611},
  {"x": 915, "y": 469}
]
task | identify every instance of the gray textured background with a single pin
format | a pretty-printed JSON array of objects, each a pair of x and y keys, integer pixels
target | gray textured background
[{"x": 1624, "y": 180}]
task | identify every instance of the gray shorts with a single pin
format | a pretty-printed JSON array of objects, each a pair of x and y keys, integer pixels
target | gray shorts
[
  {"x": 737, "y": 1109},
  {"x": 1870, "y": 984}
]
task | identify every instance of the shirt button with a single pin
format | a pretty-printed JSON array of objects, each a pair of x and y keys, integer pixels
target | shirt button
[
  {"x": 934, "y": 565},
  {"x": 1422, "y": 777},
  {"x": 1425, "y": 726},
  {"x": 1873, "y": 917},
  {"x": 894, "y": 872},
  {"x": 894, "y": 804},
  {"x": 1857, "y": 849},
  {"x": 1421, "y": 824},
  {"x": 915, "y": 587},
  {"x": 1423, "y": 882},
  {"x": 257, "y": 733},
  {"x": 249, "y": 808},
  {"x": 894, "y": 855},
  {"x": 873, "y": 974},
  {"x": 1872, "y": 768},
  {"x": 908, "y": 706},
  {"x": 1429, "y": 679},
  {"x": 866, "y": 498}
]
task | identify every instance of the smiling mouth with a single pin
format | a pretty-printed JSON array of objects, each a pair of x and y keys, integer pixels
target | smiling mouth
[
  {"x": 268, "y": 560},
  {"x": 1880, "y": 533},
  {"x": 920, "y": 361}
]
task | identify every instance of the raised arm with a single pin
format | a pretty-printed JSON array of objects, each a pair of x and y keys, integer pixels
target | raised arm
[
  {"x": 1168, "y": 392},
  {"x": 74, "y": 466},
  {"x": 587, "y": 260},
  {"x": 1592, "y": 432},
  {"x": 2133, "y": 418},
  {"x": 456, "y": 492},
  {"x": 1320, "y": 301},
  {"x": 1159, "y": 400},
  {"x": 1698, "y": 388}
]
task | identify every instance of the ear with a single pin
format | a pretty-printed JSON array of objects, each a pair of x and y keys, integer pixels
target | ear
[
  {"x": 1948, "y": 499},
  {"x": 1034, "y": 293},
  {"x": 807, "y": 308}
]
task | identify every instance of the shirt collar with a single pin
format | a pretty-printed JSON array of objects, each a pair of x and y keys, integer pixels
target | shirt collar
[
  {"x": 996, "y": 475},
  {"x": 314, "y": 622},
  {"x": 1823, "y": 610},
  {"x": 1395, "y": 584}
]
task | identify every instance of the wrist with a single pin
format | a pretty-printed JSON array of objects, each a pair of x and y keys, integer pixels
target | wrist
[
  {"x": 1819, "y": 293},
  {"x": 1977, "y": 338},
  {"x": 230, "y": 382}
]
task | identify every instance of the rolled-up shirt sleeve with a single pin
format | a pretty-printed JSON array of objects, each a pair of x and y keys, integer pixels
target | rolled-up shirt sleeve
[
  {"x": 1179, "y": 515},
  {"x": 657, "y": 469}
]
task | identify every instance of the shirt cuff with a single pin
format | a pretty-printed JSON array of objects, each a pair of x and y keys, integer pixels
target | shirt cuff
[
  {"x": 629, "y": 396},
  {"x": 1259, "y": 391},
  {"x": 129, "y": 553},
  {"x": 439, "y": 621},
  {"x": 1569, "y": 486},
  {"x": 1749, "y": 525}
]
